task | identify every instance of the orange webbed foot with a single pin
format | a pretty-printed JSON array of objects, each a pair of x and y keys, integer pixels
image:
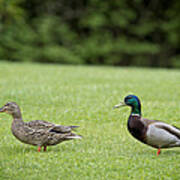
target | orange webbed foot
[{"x": 158, "y": 152}]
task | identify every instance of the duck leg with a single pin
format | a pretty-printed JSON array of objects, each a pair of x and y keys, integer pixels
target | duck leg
[
  {"x": 158, "y": 152},
  {"x": 45, "y": 148},
  {"x": 39, "y": 148}
]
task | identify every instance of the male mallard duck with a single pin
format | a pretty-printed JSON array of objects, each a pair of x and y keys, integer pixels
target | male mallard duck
[
  {"x": 39, "y": 133},
  {"x": 154, "y": 133}
]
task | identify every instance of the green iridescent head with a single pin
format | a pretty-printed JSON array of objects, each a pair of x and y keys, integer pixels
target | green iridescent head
[{"x": 132, "y": 101}]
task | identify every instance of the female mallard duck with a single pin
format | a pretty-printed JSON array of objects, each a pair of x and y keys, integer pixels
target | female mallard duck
[
  {"x": 39, "y": 133},
  {"x": 154, "y": 133}
]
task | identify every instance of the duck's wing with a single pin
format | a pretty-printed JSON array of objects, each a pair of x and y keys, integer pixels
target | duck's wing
[
  {"x": 176, "y": 127},
  {"x": 164, "y": 126},
  {"x": 171, "y": 129},
  {"x": 62, "y": 129},
  {"x": 148, "y": 122},
  {"x": 162, "y": 135},
  {"x": 39, "y": 124}
]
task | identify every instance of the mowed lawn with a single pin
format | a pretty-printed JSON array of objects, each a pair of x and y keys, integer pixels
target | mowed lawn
[{"x": 85, "y": 96}]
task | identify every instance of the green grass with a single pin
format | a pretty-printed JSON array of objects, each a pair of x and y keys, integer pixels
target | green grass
[{"x": 80, "y": 95}]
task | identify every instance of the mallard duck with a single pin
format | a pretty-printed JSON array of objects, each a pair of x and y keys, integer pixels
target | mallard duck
[
  {"x": 154, "y": 133},
  {"x": 38, "y": 132}
]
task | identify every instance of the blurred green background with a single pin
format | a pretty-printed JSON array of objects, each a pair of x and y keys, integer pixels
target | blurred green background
[{"x": 117, "y": 32}]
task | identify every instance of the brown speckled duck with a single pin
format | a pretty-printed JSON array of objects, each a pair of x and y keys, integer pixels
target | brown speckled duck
[
  {"x": 154, "y": 133},
  {"x": 39, "y": 133}
]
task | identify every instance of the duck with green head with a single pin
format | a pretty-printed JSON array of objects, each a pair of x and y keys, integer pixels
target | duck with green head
[{"x": 154, "y": 133}]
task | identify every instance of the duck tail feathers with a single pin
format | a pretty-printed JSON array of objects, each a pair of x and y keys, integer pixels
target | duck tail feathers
[
  {"x": 73, "y": 127},
  {"x": 74, "y": 136}
]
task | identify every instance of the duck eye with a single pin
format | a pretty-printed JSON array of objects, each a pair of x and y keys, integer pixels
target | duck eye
[{"x": 129, "y": 98}]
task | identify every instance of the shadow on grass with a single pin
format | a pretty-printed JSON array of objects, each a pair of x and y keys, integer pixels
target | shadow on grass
[
  {"x": 153, "y": 152},
  {"x": 23, "y": 149},
  {"x": 171, "y": 152},
  {"x": 18, "y": 149}
]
